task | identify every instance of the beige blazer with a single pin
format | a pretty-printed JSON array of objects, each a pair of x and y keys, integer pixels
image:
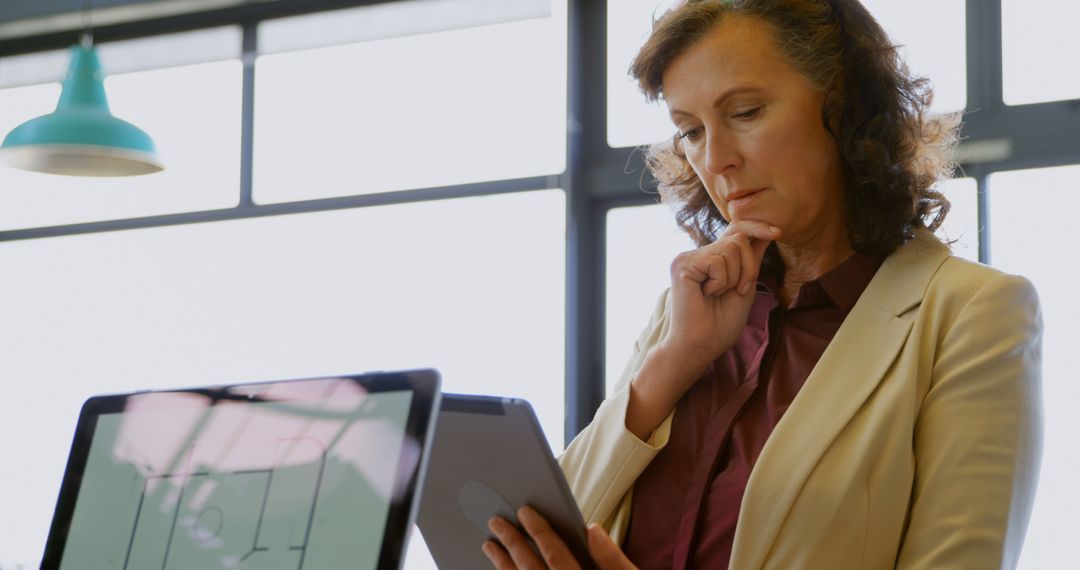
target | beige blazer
[{"x": 914, "y": 443}]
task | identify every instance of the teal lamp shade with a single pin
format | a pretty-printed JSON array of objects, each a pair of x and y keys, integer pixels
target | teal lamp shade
[{"x": 81, "y": 137}]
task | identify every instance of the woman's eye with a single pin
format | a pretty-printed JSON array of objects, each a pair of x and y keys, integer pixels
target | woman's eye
[
  {"x": 747, "y": 114},
  {"x": 690, "y": 134}
]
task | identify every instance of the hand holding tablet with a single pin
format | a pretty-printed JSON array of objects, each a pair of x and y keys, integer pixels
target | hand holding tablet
[{"x": 512, "y": 550}]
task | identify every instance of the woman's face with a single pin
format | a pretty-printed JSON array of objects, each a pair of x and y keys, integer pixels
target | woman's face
[{"x": 750, "y": 126}]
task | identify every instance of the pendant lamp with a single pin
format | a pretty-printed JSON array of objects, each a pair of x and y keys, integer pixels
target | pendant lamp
[{"x": 81, "y": 137}]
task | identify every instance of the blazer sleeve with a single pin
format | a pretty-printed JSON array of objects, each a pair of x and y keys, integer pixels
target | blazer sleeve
[
  {"x": 978, "y": 435},
  {"x": 603, "y": 461}
]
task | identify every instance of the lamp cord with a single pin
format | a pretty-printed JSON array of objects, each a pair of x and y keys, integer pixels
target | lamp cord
[{"x": 87, "y": 39}]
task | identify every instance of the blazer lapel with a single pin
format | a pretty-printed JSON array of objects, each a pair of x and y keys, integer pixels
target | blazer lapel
[{"x": 856, "y": 360}]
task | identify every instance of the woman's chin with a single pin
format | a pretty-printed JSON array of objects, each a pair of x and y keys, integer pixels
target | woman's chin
[{"x": 754, "y": 216}]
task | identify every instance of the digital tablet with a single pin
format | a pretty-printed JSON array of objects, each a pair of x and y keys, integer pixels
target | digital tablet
[
  {"x": 490, "y": 457},
  {"x": 315, "y": 474}
]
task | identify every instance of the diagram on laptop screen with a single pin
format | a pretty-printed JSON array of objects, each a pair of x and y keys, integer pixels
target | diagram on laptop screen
[
  {"x": 182, "y": 484},
  {"x": 258, "y": 518}
]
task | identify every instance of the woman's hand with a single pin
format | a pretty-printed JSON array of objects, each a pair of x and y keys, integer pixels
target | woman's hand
[
  {"x": 513, "y": 551},
  {"x": 712, "y": 290}
]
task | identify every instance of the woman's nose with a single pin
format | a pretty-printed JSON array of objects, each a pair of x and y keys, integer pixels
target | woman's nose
[{"x": 721, "y": 154}]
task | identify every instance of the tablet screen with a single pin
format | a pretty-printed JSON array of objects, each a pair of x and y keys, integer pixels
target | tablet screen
[{"x": 286, "y": 475}]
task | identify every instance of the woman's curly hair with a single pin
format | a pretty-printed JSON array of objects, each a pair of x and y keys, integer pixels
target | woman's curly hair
[{"x": 892, "y": 151}]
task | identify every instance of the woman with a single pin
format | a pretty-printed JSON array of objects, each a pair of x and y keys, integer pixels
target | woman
[{"x": 823, "y": 385}]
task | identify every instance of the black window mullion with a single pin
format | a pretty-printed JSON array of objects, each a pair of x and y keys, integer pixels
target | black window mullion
[
  {"x": 585, "y": 251},
  {"x": 247, "y": 113},
  {"x": 984, "y": 56}
]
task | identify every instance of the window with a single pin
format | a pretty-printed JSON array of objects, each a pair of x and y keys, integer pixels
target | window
[
  {"x": 932, "y": 39},
  {"x": 470, "y": 286},
  {"x": 1039, "y": 44},
  {"x": 641, "y": 243},
  {"x": 434, "y": 109},
  {"x": 1031, "y": 216},
  {"x": 631, "y": 120}
]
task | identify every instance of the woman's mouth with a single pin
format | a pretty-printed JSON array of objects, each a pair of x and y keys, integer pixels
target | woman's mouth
[{"x": 744, "y": 200}]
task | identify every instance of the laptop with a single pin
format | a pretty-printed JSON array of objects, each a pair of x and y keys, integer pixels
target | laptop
[{"x": 315, "y": 474}]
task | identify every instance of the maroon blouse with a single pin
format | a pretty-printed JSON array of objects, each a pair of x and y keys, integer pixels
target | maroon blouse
[{"x": 686, "y": 502}]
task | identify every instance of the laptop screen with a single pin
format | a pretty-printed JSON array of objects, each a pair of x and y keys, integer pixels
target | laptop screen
[{"x": 289, "y": 475}]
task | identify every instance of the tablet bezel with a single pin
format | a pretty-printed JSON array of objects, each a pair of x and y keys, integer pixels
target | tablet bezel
[{"x": 424, "y": 385}]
